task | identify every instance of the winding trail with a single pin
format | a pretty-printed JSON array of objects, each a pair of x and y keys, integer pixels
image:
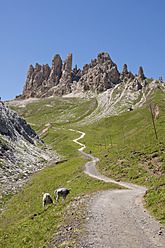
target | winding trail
[{"x": 117, "y": 218}]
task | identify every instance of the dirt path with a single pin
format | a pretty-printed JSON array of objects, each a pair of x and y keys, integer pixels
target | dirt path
[{"x": 116, "y": 218}]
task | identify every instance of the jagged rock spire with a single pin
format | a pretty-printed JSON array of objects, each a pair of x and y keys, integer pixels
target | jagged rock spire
[
  {"x": 57, "y": 64},
  {"x": 43, "y": 81},
  {"x": 125, "y": 71},
  {"x": 141, "y": 73},
  {"x": 66, "y": 70}
]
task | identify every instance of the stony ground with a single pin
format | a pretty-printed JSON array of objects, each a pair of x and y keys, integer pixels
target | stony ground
[{"x": 117, "y": 219}]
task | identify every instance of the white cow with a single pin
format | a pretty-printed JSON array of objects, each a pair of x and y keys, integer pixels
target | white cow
[
  {"x": 61, "y": 192},
  {"x": 47, "y": 199}
]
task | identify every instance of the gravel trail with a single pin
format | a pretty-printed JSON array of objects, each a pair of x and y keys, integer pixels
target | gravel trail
[{"x": 117, "y": 218}]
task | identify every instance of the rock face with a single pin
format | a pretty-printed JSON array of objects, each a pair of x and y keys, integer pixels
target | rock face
[
  {"x": 19, "y": 154},
  {"x": 100, "y": 75},
  {"x": 66, "y": 70},
  {"x": 160, "y": 80},
  {"x": 66, "y": 78},
  {"x": 55, "y": 73},
  {"x": 141, "y": 73},
  {"x": 61, "y": 79},
  {"x": 11, "y": 124},
  {"x": 125, "y": 71},
  {"x": 125, "y": 74}
]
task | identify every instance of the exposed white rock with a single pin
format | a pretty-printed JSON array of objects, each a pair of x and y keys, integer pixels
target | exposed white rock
[{"x": 22, "y": 152}]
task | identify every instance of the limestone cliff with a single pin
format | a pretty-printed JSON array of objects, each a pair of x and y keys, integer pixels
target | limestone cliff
[
  {"x": 43, "y": 81},
  {"x": 99, "y": 75},
  {"x": 21, "y": 152}
]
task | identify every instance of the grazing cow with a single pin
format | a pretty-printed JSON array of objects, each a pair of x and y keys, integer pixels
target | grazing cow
[
  {"x": 47, "y": 199},
  {"x": 61, "y": 192}
]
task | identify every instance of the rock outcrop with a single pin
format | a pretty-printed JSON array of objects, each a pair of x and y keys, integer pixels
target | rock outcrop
[
  {"x": 55, "y": 72},
  {"x": 141, "y": 73},
  {"x": 135, "y": 85},
  {"x": 100, "y": 75},
  {"x": 20, "y": 155},
  {"x": 125, "y": 74},
  {"x": 160, "y": 80},
  {"x": 43, "y": 81},
  {"x": 11, "y": 124},
  {"x": 66, "y": 70}
]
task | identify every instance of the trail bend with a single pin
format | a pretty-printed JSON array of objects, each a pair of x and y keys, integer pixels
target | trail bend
[{"x": 117, "y": 218}]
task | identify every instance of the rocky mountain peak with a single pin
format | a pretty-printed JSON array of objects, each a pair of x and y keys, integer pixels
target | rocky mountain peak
[
  {"x": 30, "y": 70},
  {"x": 125, "y": 71},
  {"x": 66, "y": 70},
  {"x": 57, "y": 64},
  {"x": 141, "y": 73},
  {"x": 103, "y": 57},
  {"x": 100, "y": 74}
]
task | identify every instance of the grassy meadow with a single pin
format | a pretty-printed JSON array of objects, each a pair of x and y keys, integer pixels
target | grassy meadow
[
  {"x": 26, "y": 223},
  {"x": 129, "y": 151},
  {"x": 125, "y": 144}
]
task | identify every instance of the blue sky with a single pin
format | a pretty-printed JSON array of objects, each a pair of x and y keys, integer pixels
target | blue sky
[{"x": 131, "y": 31}]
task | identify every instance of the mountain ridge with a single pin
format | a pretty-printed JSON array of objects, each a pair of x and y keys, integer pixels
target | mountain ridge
[{"x": 100, "y": 74}]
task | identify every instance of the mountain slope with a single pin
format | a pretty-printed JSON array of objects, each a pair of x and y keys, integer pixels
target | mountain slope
[
  {"x": 118, "y": 99},
  {"x": 21, "y": 150},
  {"x": 123, "y": 141}
]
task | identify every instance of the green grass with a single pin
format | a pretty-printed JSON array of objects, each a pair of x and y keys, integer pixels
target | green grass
[
  {"x": 137, "y": 157},
  {"x": 61, "y": 140},
  {"x": 155, "y": 199},
  {"x": 25, "y": 223},
  {"x": 57, "y": 111}
]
